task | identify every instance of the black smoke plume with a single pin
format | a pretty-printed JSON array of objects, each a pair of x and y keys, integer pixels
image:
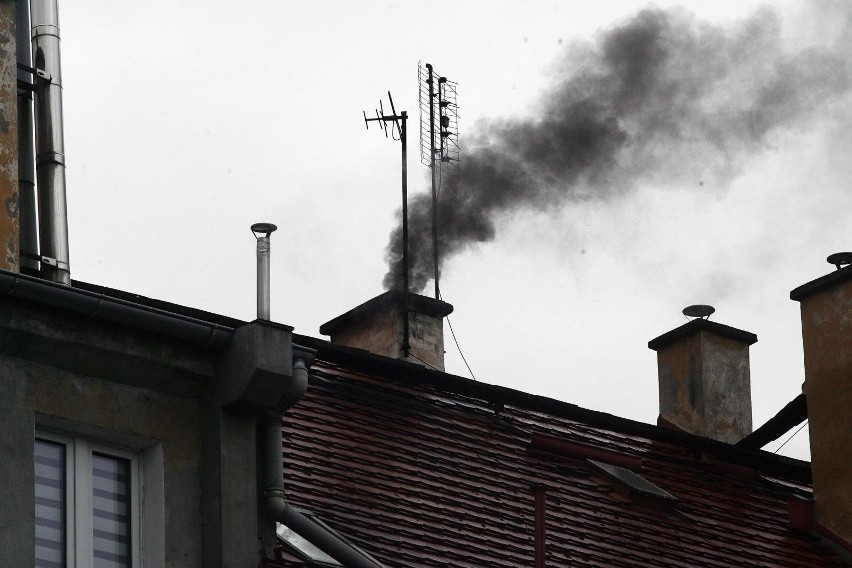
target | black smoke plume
[{"x": 662, "y": 99}]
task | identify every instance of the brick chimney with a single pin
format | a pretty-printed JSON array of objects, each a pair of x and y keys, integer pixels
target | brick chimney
[
  {"x": 826, "y": 306},
  {"x": 378, "y": 326},
  {"x": 705, "y": 387}
]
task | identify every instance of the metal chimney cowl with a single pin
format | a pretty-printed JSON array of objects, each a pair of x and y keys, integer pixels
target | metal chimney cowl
[{"x": 377, "y": 326}]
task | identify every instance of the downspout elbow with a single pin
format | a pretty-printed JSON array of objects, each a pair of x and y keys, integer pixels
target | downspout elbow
[
  {"x": 273, "y": 482},
  {"x": 275, "y": 501}
]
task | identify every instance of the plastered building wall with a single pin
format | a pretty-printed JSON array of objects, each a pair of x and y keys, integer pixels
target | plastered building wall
[{"x": 110, "y": 383}]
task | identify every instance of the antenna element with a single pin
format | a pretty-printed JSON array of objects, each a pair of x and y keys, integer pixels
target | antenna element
[
  {"x": 398, "y": 124},
  {"x": 443, "y": 100}
]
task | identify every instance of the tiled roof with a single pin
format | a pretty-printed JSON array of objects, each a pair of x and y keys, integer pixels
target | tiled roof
[{"x": 421, "y": 475}]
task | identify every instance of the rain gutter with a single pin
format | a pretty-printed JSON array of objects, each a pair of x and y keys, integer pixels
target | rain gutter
[{"x": 100, "y": 306}]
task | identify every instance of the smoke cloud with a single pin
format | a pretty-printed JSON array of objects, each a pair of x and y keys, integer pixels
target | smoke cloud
[{"x": 661, "y": 99}]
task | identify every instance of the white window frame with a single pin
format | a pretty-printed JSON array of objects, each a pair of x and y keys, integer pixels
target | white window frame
[{"x": 146, "y": 490}]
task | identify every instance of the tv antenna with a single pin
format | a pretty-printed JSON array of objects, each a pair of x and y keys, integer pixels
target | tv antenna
[
  {"x": 398, "y": 125},
  {"x": 444, "y": 152}
]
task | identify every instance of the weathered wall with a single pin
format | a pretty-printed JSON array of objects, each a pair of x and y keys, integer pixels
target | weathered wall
[
  {"x": 9, "y": 258},
  {"x": 92, "y": 375},
  {"x": 704, "y": 382},
  {"x": 427, "y": 339},
  {"x": 726, "y": 388},
  {"x": 32, "y": 389},
  {"x": 827, "y": 339},
  {"x": 17, "y": 514},
  {"x": 382, "y": 332},
  {"x": 192, "y": 407}
]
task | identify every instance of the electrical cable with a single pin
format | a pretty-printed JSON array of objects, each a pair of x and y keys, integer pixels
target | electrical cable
[
  {"x": 424, "y": 362},
  {"x": 791, "y": 437},
  {"x": 469, "y": 370},
  {"x": 472, "y": 376}
]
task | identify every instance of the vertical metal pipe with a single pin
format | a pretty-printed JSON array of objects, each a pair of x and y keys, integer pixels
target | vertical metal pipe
[
  {"x": 434, "y": 156},
  {"x": 406, "y": 346},
  {"x": 50, "y": 143},
  {"x": 261, "y": 232},
  {"x": 28, "y": 221}
]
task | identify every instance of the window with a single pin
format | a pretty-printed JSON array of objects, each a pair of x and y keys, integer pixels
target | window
[{"x": 87, "y": 500}]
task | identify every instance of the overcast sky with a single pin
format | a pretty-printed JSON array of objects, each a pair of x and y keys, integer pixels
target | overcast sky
[{"x": 186, "y": 122}]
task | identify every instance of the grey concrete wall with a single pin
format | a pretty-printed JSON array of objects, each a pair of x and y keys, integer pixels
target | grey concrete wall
[
  {"x": 96, "y": 391},
  {"x": 31, "y": 390},
  {"x": 17, "y": 493},
  {"x": 122, "y": 409},
  {"x": 116, "y": 384}
]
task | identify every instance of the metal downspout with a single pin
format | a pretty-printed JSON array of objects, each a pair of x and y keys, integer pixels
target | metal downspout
[
  {"x": 50, "y": 143},
  {"x": 276, "y": 503}
]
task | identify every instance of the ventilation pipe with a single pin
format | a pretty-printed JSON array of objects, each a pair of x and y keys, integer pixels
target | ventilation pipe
[
  {"x": 275, "y": 501},
  {"x": 50, "y": 143},
  {"x": 261, "y": 233},
  {"x": 28, "y": 222}
]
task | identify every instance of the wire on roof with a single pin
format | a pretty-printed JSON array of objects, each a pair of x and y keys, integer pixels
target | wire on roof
[
  {"x": 472, "y": 376},
  {"x": 412, "y": 355},
  {"x": 791, "y": 437}
]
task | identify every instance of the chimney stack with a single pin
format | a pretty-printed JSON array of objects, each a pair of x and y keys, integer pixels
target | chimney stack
[
  {"x": 826, "y": 307},
  {"x": 379, "y": 326},
  {"x": 704, "y": 381}
]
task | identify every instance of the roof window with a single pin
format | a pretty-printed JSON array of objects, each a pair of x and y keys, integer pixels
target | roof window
[
  {"x": 635, "y": 486},
  {"x": 298, "y": 545},
  {"x": 304, "y": 549}
]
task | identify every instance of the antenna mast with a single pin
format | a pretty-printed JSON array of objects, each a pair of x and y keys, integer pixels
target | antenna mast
[
  {"x": 444, "y": 99},
  {"x": 398, "y": 122}
]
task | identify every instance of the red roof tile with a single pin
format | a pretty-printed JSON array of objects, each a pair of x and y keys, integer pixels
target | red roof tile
[{"x": 421, "y": 475}]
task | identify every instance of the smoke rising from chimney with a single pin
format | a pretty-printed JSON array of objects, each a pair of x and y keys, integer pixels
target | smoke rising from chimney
[{"x": 661, "y": 99}]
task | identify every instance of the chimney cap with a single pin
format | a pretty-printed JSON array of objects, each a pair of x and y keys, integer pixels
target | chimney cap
[
  {"x": 830, "y": 279},
  {"x": 412, "y": 302},
  {"x": 265, "y": 229},
  {"x": 698, "y": 325},
  {"x": 699, "y": 311},
  {"x": 839, "y": 259}
]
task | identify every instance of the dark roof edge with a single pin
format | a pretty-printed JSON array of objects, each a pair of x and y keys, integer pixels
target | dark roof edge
[
  {"x": 404, "y": 372},
  {"x": 413, "y": 302},
  {"x": 830, "y": 279},
  {"x": 794, "y": 413},
  {"x": 698, "y": 325},
  {"x": 109, "y": 307}
]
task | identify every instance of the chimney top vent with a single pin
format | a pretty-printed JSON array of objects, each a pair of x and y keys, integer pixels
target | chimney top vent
[
  {"x": 699, "y": 311},
  {"x": 264, "y": 229},
  {"x": 840, "y": 259}
]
